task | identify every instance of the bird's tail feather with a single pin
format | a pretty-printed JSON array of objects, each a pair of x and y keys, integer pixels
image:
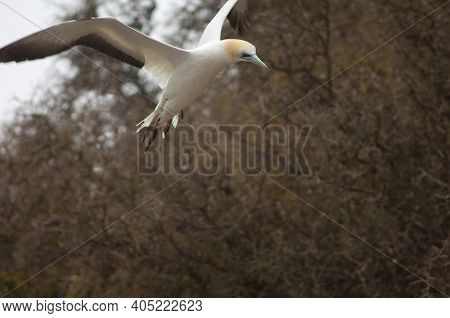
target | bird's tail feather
[
  {"x": 152, "y": 124},
  {"x": 153, "y": 118},
  {"x": 149, "y": 121}
]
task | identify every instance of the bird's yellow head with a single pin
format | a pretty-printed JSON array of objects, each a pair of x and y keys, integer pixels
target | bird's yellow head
[{"x": 242, "y": 51}]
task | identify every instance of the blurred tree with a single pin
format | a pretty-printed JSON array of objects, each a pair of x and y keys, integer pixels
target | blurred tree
[{"x": 378, "y": 151}]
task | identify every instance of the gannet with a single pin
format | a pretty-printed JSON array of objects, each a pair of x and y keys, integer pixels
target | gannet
[{"x": 181, "y": 74}]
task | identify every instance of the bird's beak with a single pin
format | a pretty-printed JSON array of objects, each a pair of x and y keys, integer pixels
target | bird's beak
[{"x": 256, "y": 60}]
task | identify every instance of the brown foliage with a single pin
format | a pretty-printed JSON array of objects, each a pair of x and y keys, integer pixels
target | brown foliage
[{"x": 378, "y": 152}]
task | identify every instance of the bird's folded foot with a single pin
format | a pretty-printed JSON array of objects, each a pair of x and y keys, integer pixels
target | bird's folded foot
[
  {"x": 166, "y": 129},
  {"x": 149, "y": 137}
]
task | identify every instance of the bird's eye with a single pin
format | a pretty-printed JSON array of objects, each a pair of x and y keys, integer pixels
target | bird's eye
[{"x": 244, "y": 55}]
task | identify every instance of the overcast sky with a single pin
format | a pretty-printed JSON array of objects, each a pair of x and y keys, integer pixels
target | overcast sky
[{"x": 19, "y": 81}]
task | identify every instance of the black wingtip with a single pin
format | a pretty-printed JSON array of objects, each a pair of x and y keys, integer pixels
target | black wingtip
[
  {"x": 4, "y": 58},
  {"x": 239, "y": 21}
]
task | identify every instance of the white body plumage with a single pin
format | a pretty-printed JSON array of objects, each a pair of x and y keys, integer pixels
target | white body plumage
[
  {"x": 182, "y": 74},
  {"x": 189, "y": 79}
]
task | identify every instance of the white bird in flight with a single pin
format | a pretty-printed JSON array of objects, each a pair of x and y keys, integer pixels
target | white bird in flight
[{"x": 181, "y": 74}]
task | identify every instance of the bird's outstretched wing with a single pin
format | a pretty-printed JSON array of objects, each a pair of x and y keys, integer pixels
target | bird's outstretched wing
[
  {"x": 237, "y": 13},
  {"x": 107, "y": 35}
]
